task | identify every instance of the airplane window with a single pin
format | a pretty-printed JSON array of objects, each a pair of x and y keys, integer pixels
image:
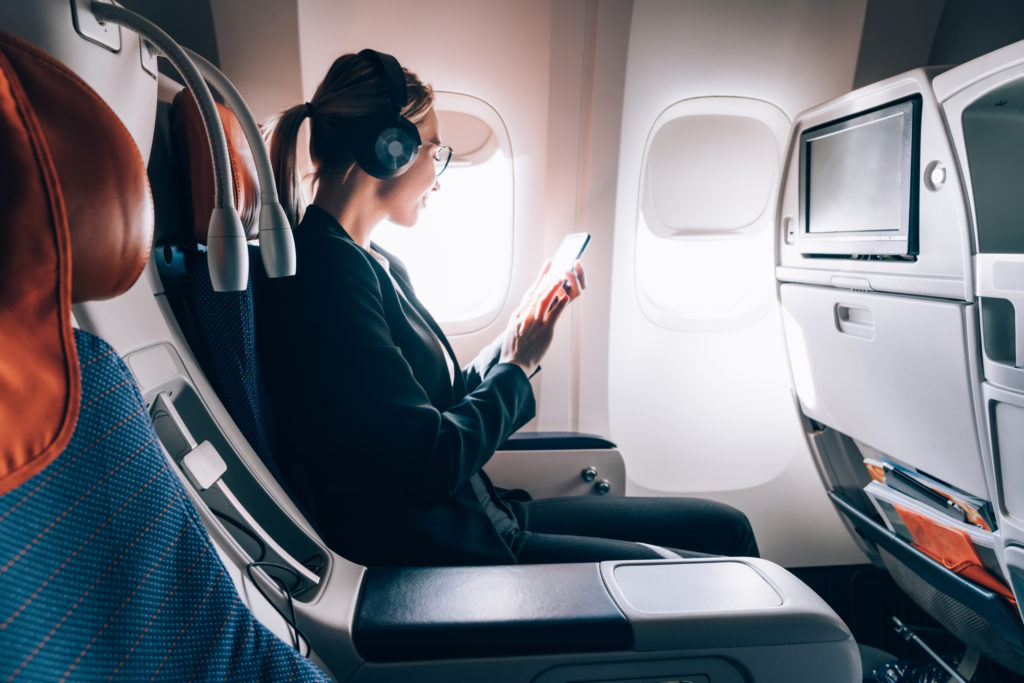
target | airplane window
[
  {"x": 703, "y": 251},
  {"x": 459, "y": 254},
  {"x": 712, "y": 283},
  {"x": 707, "y": 174}
]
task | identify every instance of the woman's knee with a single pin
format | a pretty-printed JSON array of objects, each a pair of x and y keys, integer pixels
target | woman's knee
[{"x": 736, "y": 527}]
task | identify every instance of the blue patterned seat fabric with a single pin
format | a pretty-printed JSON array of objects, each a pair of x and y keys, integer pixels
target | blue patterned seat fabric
[
  {"x": 106, "y": 571},
  {"x": 225, "y": 320}
]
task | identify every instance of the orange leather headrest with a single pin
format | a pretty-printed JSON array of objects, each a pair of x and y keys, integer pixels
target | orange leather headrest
[
  {"x": 193, "y": 146},
  {"x": 78, "y": 224},
  {"x": 102, "y": 175}
]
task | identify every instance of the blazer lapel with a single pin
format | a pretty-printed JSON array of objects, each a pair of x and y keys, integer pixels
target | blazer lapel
[{"x": 402, "y": 278}]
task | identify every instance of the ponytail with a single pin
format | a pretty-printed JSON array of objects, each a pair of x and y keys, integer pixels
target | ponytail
[{"x": 284, "y": 140}]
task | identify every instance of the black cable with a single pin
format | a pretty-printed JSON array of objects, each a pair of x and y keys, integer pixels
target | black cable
[
  {"x": 244, "y": 529},
  {"x": 297, "y": 635}
]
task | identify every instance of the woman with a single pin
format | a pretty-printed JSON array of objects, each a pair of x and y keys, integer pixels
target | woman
[{"x": 383, "y": 438}]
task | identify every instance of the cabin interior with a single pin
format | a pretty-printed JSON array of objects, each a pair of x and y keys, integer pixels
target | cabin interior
[{"x": 805, "y": 299}]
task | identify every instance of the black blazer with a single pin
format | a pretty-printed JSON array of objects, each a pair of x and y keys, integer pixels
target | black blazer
[{"x": 379, "y": 446}]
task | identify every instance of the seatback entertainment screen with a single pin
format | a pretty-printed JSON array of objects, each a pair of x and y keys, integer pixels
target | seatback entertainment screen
[{"x": 859, "y": 183}]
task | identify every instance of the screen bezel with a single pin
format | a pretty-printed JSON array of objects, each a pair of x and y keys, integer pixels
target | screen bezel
[{"x": 902, "y": 241}]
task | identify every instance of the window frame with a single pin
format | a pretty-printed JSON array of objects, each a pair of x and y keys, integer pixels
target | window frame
[{"x": 777, "y": 123}]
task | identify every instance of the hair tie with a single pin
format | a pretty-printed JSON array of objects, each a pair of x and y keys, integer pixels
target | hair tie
[{"x": 309, "y": 109}]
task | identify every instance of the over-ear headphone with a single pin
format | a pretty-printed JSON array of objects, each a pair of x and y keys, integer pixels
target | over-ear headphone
[{"x": 386, "y": 145}]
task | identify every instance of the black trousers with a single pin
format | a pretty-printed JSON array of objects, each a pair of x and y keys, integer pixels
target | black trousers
[{"x": 591, "y": 529}]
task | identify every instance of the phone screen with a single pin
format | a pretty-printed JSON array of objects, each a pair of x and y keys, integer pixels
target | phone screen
[{"x": 569, "y": 251}]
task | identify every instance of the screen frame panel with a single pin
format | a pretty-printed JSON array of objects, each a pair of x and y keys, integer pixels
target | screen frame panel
[{"x": 901, "y": 241}]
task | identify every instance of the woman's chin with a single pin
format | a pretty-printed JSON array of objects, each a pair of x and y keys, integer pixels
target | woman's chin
[
  {"x": 409, "y": 218},
  {"x": 405, "y": 221}
]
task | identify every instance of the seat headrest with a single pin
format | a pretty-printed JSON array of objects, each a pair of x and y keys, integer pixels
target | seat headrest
[
  {"x": 78, "y": 226},
  {"x": 193, "y": 147}
]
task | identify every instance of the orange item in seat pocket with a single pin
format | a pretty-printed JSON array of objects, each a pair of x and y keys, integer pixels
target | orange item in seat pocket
[{"x": 952, "y": 548}]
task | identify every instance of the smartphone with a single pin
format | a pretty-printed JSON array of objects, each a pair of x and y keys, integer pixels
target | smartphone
[{"x": 569, "y": 251}]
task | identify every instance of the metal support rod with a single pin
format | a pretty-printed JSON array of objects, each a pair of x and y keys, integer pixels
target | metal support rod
[{"x": 904, "y": 631}]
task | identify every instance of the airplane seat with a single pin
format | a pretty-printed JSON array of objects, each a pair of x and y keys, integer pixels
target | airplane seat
[
  {"x": 105, "y": 567},
  {"x": 223, "y": 320},
  {"x": 219, "y": 327},
  {"x": 889, "y": 348}
]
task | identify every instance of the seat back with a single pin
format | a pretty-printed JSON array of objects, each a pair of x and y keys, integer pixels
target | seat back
[
  {"x": 225, "y": 324},
  {"x": 220, "y": 326},
  {"x": 105, "y": 568}
]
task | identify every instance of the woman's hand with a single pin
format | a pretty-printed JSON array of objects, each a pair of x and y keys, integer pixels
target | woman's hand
[{"x": 532, "y": 326}]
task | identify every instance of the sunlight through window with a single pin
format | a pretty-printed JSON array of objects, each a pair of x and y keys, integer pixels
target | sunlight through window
[{"x": 459, "y": 254}]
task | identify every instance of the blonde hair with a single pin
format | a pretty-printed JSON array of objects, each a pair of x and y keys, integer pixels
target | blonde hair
[{"x": 354, "y": 88}]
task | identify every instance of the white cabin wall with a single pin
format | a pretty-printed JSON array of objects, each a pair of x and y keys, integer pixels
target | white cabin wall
[
  {"x": 590, "y": 39},
  {"x": 710, "y": 413},
  {"x": 571, "y": 35}
]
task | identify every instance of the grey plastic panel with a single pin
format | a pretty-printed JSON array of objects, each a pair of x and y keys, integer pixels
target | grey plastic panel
[
  {"x": 1015, "y": 563},
  {"x": 981, "y": 104},
  {"x": 895, "y": 374},
  {"x": 183, "y": 423},
  {"x": 1008, "y": 428},
  {"x": 1000, "y": 283},
  {"x": 1004, "y": 421},
  {"x": 553, "y": 473},
  {"x": 107, "y": 35},
  {"x": 769, "y": 606},
  {"x": 117, "y": 76},
  {"x": 690, "y": 670},
  {"x": 797, "y": 663},
  {"x": 696, "y": 587},
  {"x": 943, "y": 266}
]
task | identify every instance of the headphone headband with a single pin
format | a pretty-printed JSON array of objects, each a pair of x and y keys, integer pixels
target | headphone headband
[{"x": 397, "y": 91}]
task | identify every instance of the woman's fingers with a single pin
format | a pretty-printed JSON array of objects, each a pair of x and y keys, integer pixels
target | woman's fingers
[
  {"x": 555, "y": 310},
  {"x": 572, "y": 285},
  {"x": 578, "y": 269},
  {"x": 529, "y": 298},
  {"x": 538, "y": 303},
  {"x": 545, "y": 301}
]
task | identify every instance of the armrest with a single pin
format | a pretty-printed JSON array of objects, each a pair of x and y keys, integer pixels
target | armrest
[
  {"x": 714, "y": 619},
  {"x": 554, "y": 441},
  {"x": 424, "y": 613},
  {"x": 554, "y": 464}
]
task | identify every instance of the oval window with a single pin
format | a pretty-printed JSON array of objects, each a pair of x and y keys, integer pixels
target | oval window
[{"x": 710, "y": 176}]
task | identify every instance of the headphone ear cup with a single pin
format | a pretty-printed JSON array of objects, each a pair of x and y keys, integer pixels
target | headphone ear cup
[{"x": 386, "y": 149}]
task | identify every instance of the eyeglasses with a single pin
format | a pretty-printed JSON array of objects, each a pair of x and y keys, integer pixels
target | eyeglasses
[{"x": 442, "y": 155}]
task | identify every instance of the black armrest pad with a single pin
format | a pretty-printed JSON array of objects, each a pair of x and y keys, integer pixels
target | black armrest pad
[
  {"x": 420, "y": 613},
  {"x": 554, "y": 441}
]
